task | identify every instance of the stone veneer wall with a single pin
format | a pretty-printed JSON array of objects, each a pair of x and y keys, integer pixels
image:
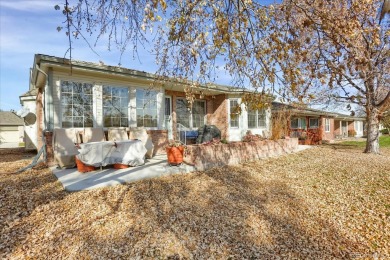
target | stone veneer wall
[
  {"x": 204, "y": 157},
  {"x": 159, "y": 139}
]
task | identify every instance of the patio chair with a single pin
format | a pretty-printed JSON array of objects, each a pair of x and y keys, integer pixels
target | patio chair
[
  {"x": 141, "y": 134},
  {"x": 64, "y": 147},
  {"x": 93, "y": 135},
  {"x": 117, "y": 134}
]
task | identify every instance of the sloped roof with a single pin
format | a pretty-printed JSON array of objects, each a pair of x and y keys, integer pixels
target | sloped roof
[
  {"x": 41, "y": 59},
  {"x": 313, "y": 112},
  {"x": 8, "y": 118},
  {"x": 31, "y": 92}
]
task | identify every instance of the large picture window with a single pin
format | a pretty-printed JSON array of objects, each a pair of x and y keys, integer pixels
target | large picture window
[
  {"x": 256, "y": 119},
  {"x": 234, "y": 115},
  {"x": 76, "y": 104},
  {"x": 298, "y": 123},
  {"x": 115, "y": 106},
  {"x": 146, "y": 108},
  {"x": 191, "y": 118}
]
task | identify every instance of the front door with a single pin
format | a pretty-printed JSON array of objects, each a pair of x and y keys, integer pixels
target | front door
[{"x": 168, "y": 116}]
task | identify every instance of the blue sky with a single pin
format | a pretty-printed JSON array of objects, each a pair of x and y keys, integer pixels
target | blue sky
[{"x": 28, "y": 27}]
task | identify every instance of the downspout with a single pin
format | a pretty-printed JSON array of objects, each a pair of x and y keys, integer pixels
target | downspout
[
  {"x": 41, "y": 151},
  {"x": 44, "y": 96}
]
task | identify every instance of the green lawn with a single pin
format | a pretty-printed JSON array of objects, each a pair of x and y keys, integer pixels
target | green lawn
[{"x": 384, "y": 141}]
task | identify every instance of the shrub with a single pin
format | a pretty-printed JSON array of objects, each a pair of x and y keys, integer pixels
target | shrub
[
  {"x": 224, "y": 141},
  {"x": 249, "y": 137},
  {"x": 280, "y": 121},
  {"x": 384, "y": 131},
  {"x": 351, "y": 133}
]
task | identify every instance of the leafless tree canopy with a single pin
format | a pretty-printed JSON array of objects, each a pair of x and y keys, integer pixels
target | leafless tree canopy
[{"x": 301, "y": 50}]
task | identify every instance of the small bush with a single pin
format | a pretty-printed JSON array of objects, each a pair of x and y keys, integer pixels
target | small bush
[
  {"x": 384, "y": 131},
  {"x": 224, "y": 141},
  {"x": 351, "y": 133},
  {"x": 249, "y": 137}
]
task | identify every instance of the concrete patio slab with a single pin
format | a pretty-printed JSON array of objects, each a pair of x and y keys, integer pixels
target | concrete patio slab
[{"x": 72, "y": 180}]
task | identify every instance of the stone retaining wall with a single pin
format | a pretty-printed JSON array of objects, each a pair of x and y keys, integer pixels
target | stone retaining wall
[{"x": 204, "y": 157}]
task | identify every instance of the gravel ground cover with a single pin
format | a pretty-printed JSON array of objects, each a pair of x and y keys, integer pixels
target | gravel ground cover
[{"x": 327, "y": 202}]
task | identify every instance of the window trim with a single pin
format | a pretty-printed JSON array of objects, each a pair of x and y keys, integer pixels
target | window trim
[
  {"x": 257, "y": 119},
  {"x": 230, "y": 113},
  {"x": 136, "y": 108},
  {"x": 327, "y": 125},
  {"x": 191, "y": 121},
  {"x": 300, "y": 120},
  {"x": 318, "y": 123},
  {"x": 82, "y": 82},
  {"x": 127, "y": 106}
]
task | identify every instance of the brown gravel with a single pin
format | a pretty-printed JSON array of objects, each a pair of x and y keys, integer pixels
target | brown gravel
[{"x": 326, "y": 202}]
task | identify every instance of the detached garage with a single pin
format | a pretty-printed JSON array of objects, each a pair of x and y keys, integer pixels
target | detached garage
[{"x": 11, "y": 127}]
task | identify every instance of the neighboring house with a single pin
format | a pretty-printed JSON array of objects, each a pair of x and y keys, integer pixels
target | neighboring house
[
  {"x": 318, "y": 125},
  {"x": 11, "y": 127},
  {"x": 93, "y": 95},
  {"x": 28, "y": 101}
]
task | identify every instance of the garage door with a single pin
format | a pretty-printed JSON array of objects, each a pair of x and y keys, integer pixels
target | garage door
[{"x": 9, "y": 134}]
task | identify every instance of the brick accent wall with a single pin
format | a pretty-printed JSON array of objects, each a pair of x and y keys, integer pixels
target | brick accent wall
[
  {"x": 351, "y": 126},
  {"x": 159, "y": 139},
  {"x": 218, "y": 115},
  {"x": 216, "y": 109},
  {"x": 49, "y": 148},
  {"x": 204, "y": 157},
  {"x": 328, "y": 136}
]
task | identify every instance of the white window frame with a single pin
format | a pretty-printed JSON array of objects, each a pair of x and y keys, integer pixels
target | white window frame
[
  {"x": 257, "y": 112},
  {"x": 191, "y": 119},
  {"x": 314, "y": 127},
  {"x": 327, "y": 125},
  {"x": 300, "y": 124},
  {"x": 137, "y": 108},
  {"x": 61, "y": 105},
  {"x": 237, "y": 114},
  {"x": 127, "y": 105}
]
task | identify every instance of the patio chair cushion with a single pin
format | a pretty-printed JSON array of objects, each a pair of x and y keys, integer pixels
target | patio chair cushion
[
  {"x": 64, "y": 148},
  {"x": 93, "y": 135},
  {"x": 117, "y": 134},
  {"x": 141, "y": 134}
]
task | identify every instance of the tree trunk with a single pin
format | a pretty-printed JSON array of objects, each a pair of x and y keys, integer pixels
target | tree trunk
[{"x": 372, "y": 145}]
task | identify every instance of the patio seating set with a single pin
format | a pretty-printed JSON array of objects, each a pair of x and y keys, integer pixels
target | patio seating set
[{"x": 89, "y": 148}]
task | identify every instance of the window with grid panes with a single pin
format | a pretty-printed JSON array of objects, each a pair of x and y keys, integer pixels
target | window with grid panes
[
  {"x": 76, "y": 104},
  {"x": 234, "y": 115},
  {"x": 256, "y": 119},
  {"x": 298, "y": 123},
  {"x": 115, "y": 106},
  {"x": 313, "y": 123},
  {"x": 146, "y": 102},
  {"x": 327, "y": 125},
  {"x": 191, "y": 118}
]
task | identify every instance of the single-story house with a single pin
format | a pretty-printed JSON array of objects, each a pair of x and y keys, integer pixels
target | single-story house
[
  {"x": 318, "y": 125},
  {"x": 79, "y": 94},
  {"x": 28, "y": 101},
  {"x": 11, "y": 127}
]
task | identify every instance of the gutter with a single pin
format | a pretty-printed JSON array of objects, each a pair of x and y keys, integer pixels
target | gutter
[{"x": 54, "y": 61}]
